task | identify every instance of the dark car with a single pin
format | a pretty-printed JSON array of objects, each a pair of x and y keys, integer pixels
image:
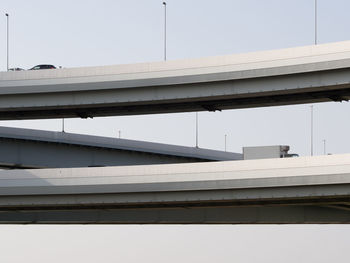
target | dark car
[
  {"x": 43, "y": 66},
  {"x": 16, "y": 69}
]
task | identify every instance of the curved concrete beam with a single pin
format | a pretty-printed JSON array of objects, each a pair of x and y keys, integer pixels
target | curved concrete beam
[
  {"x": 278, "y": 77},
  {"x": 291, "y": 190}
]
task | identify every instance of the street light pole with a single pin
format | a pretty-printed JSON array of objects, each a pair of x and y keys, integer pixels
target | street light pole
[
  {"x": 324, "y": 146},
  {"x": 312, "y": 131},
  {"x": 196, "y": 129},
  {"x": 315, "y": 22},
  {"x": 225, "y": 141},
  {"x": 312, "y": 107},
  {"x": 164, "y": 4},
  {"x": 7, "y": 20}
]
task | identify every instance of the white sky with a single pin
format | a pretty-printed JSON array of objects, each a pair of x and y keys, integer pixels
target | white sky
[{"x": 90, "y": 33}]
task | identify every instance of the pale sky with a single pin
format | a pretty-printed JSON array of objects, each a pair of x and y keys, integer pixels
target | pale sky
[{"x": 106, "y": 32}]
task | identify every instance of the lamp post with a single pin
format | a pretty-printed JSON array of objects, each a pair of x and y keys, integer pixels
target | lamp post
[
  {"x": 324, "y": 146},
  {"x": 196, "y": 129},
  {"x": 315, "y": 22},
  {"x": 312, "y": 131},
  {"x": 164, "y": 4},
  {"x": 7, "y": 20},
  {"x": 225, "y": 141},
  {"x": 312, "y": 107}
]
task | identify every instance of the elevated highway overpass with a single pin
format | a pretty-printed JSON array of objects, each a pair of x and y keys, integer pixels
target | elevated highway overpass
[
  {"x": 279, "y": 77},
  {"x": 27, "y": 148},
  {"x": 292, "y": 190}
]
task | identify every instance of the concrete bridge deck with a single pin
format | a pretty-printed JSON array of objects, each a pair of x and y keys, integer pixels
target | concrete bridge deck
[
  {"x": 290, "y": 190},
  {"x": 278, "y": 77},
  {"x": 27, "y": 148}
]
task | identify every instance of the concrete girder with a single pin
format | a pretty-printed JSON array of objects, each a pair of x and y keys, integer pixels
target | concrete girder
[
  {"x": 292, "y": 190},
  {"x": 282, "y": 77}
]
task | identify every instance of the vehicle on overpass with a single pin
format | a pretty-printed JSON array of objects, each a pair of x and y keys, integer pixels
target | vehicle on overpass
[
  {"x": 43, "y": 66},
  {"x": 16, "y": 69}
]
